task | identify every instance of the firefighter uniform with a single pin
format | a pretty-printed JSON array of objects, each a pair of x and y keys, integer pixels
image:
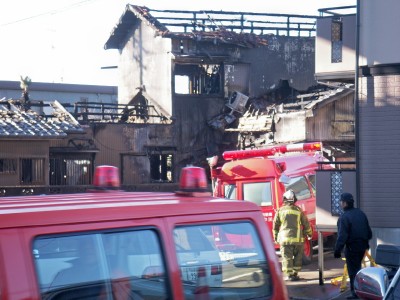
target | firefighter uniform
[{"x": 290, "y": 227}]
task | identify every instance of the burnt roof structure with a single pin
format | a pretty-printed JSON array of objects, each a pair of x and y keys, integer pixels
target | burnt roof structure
[{"x": 240, "y": 28}]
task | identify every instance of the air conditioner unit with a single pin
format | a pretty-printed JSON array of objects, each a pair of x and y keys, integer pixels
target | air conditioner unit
[{"x": 237, "y": 102}]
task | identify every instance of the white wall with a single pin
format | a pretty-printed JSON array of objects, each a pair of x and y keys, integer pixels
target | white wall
[
  {"x": 323, "y": 47},
  {"x": 379, "y": 32}
]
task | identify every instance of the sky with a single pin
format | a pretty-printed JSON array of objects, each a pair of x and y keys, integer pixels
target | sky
[{"x": 62, "y": 41}]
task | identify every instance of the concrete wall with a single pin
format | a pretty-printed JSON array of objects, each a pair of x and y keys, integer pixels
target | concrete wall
[
  {"x": 145, "y": 61},
  {"x": 124, "y": 146},
  {"x": 290, "y": 127},
  {"x": 323, "y": 46},
  {"x": 290, "y": 58},
  {"x": 330, "y": 185}
]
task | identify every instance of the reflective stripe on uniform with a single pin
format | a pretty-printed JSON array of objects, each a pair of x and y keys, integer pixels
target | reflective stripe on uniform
[{"x": 288, "y": 221}]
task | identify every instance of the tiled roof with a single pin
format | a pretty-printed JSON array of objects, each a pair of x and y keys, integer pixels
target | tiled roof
[{"x": 45, "y": 120}]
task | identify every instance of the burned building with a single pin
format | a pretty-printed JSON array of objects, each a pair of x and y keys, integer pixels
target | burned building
[{"x": 192, "y": 65}]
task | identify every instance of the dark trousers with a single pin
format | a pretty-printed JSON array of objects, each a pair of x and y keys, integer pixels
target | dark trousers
[{"x": 353, "y": 261}]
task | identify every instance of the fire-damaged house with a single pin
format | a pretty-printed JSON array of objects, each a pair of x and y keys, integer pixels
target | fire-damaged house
[{"x": 193, "y": 84}]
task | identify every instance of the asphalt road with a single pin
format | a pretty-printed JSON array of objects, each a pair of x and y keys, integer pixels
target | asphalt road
[{"x": 309, "y": 286}]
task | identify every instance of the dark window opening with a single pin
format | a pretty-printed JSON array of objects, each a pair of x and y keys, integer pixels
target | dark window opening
[
  {"x": 8, "y": 166},
  {"x": 198, "y": 79},
  {"x": 161, "y": 167},
  {"x": 32, "y": 171},
  {"x": 71, "y": 170},
  {"x": 337, "y": 40}
]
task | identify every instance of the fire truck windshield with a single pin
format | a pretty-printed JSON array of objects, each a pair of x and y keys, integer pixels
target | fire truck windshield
[
  {"x": 300, "y": 187},
  {"x": 258, "y": 192}
]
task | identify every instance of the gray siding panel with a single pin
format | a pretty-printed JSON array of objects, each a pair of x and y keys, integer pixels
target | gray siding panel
[{"x": 379, "y": 156}]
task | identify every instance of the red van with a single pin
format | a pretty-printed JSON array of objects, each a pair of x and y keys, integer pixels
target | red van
[{"x": 135, "y": 245}]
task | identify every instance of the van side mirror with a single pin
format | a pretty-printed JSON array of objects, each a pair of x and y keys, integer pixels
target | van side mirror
[{"x": 371, "y": 283}]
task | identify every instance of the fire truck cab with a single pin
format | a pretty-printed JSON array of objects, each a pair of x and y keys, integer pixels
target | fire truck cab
[{"x": 262, "y": 176}]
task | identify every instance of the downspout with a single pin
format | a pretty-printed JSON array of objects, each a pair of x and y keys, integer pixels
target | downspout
[{"x": 356, "y": 106}]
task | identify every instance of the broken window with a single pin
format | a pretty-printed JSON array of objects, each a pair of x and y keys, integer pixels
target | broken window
[
  {"x": 71, "y": 169},
  {"x": 32, "y": 170},
  {"x": 337, "y": 40},
  {"x": 198, "y": 79},
  {"x": 161, "y": 167},
  {"x": 8, "y": 166}
]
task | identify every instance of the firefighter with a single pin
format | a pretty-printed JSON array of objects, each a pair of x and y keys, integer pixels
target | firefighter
[{"x": 289, "y": 228}]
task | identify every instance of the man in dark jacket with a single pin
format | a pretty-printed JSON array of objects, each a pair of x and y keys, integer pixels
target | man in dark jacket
[{"x": 354, "y": 232}]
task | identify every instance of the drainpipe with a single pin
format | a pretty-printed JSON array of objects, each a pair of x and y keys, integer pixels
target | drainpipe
[{"x": 356, "y": 106}]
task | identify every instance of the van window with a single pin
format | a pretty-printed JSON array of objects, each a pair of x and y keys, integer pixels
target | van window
[
  {"x": 300, "y": 187},
  {"x": 116, "y": 265},
  {"x": 258, "y": 193},
  {"x": 222, "y": 261}
]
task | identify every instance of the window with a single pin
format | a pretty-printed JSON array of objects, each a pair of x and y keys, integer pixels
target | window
[
  {"x": 161, "y": 167},
  {"x": 312, "y": 180},
  {"x": 337, "y": 41},
  {"x": 32, "y": 170},
  {"x": 198, "y": 79},
  {"x": 300, "y": 187},
  {"x": 8, "y": 166},
  {"x": 116, "y": 265},
  {"x": 230, "y": 191},
  {"x": 71, "y": 169},
  {"x": 258, "y": 192},
  {"x": 227, "y": 258}
]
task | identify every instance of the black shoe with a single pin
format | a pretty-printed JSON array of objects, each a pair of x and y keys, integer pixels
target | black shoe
[
  {"x": 353, "y": 296},
  {"x": 294, "y": 278}
]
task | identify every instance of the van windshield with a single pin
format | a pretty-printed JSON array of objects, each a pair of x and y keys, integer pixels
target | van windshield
[
  {"x": 258, "y": 193},
  {"x": 222, "y": 261}
]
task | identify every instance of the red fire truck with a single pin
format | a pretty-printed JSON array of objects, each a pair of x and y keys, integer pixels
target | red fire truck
[{"x": 263, "y": 175}]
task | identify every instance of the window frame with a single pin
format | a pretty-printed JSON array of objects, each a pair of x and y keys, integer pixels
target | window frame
[{"x": 8, "y": 166}]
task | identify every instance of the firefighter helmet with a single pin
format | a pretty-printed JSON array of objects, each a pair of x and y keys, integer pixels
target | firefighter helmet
[{"x": 289, "y": 196}]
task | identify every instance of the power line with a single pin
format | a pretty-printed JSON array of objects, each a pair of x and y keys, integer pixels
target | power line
[{"x": 51, "y": 12}]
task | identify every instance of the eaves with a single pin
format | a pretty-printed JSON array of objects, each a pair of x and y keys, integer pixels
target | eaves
[{"x": 326, "y": 99}]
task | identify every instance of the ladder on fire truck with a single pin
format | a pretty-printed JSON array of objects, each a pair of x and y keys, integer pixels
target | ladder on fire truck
[{"x": 342, "y": 280}]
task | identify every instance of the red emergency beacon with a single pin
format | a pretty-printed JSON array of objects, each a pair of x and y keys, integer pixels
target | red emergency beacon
[
  {"x": 193, "y": 182},
  {"x": 106, "y": 178}
]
